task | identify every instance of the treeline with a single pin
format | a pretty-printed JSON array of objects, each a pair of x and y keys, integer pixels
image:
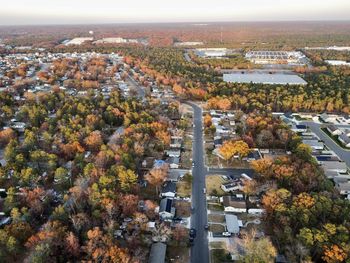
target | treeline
[
  {"x": 307, "y": 218},
  {"x": 72, "y": 178}
]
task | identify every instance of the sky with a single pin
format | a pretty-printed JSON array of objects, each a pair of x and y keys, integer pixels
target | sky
[{"x": 29, "y": 12}]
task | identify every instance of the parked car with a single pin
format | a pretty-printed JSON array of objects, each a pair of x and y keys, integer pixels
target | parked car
[
  {"x": 206, "y": 226},
  {"x": 226, "y": 234},
  {"x": 204, "y": 190},
  {"x": 193, "y": 233}
]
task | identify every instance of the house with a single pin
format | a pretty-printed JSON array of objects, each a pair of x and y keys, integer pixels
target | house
[
  {"x": 151, "y": 226},
  {"x": 333, "y": 130},
  {"x": 168, "y": 190},
  {"x": 344, "y": 189},
  {"x": 166, "y": 209},
  {"x": 174, "y": 162},
  {"x": 256, "y": 211},
  {"x": 232, "y": 223},
  {"x": 345, "y": 140},
  {"x": 234, "y": 204},
  {"x": 218, "y": 142},
  {"x": 314, "y": 144},
  {"x": 325, "y": 117},
  {"x": 173, "y": 153},
  {"x": 176, "y": 142},
  {"x": 334, "y": 166},
  {"x": 158, "y": 251},
  {"x": 299, "y": 128},
  {"x": 347, "y": 132},
  {"x": 231, "y": 186},
  {"x": 174, "y": 174}
]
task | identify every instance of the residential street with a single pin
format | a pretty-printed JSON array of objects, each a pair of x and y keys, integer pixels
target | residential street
[
  {"x": 342, "y": 153},
  {"x": 199, "y": 251}
]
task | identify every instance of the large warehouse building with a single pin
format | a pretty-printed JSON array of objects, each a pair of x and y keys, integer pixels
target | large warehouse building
[
  {"x": 264, "y": 78},
  {"x": 276, "y": 57}
]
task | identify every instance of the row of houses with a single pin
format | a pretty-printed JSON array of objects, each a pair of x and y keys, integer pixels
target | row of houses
[{"x": 342, "y": 134}]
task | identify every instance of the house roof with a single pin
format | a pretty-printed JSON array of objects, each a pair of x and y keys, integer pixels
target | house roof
[
  {"x": 165, "y": 205},
  {"x": 169, "y": 187},
  {"x": 232, "y": 223},
  {"x": 157, "y": 254},
  {"x": 234, "y": 202},
  {"x": 344, "y": 186},
  {"x": 331, "y": 165},
  {"x": 173, "y": 160},
  {"x": 344, "y": 138},
  {"x": 332, "y": 128}
]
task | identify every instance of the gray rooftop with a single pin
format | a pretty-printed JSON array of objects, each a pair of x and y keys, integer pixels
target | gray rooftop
[
  {"x": 232, "y": 223},
  {"x": 157, "y": 254},
  {"x": 264, "y": 78}
]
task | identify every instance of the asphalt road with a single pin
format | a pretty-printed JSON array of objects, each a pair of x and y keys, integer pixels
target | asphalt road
[
  {"x": 199, "y": 251},
  {"x": 342, "y": 153}
]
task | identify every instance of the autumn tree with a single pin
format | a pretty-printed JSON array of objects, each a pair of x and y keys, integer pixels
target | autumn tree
[
  {"x": 127, "y": 178},
  {"x": 94, "y": 141},
  {"x": 157, "y": 175},
  {"x": 256, "y": 250}
]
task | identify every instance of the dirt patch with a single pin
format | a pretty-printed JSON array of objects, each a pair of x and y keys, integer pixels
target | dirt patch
[
  {"x": 216, "y": 218},
  {"x": 216, "y": 228},
  {"x": 183, "y": 208},
  {"x": 213, "y": 184}
]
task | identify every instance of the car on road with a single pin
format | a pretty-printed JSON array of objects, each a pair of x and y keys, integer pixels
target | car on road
[
  {"x": 206, "y": 226},
  {"x": 191, "y": 240},
  {"x": 193, "y": 164},
  {"x": 204, "y": 190},
  {"x": 226, "y": 234},
  {"x": 193, "y": 233}
]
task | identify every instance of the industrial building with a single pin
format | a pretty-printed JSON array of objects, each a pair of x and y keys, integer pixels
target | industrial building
[
  {"x": 264, "y": 78},
  {"x": 276, "y": 57},
  {"x": 211, "y": 52}
]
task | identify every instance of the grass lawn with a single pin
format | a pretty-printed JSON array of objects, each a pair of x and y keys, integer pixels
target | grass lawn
[
  {"x": 216, "y": 228},
  {"x": 178, "y": 254},
  {"x": 186, "y": 159},
  {"x": 183, "y": 208},
  {"x": 216, "y": 218},
  {"x": 148, "y": 192},
  {"x": 220, "y": 256},
  {"x": 213, "y": 184},
  {"x": 183, "y": 189},
  {"x": 217, "y": 245},
  {"x": 215, "y": 207}
]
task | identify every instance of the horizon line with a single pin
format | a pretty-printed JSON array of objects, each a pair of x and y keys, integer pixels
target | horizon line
[{"x": 177, "y": 22}]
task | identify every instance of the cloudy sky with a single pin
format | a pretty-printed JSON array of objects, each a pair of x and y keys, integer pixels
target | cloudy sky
[{"x": 19, "y": 12}]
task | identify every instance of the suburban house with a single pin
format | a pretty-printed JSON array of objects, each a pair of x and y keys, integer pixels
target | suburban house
[
  {"x": 314, "y": 144},
  {"x": 326, "y": 118},
  {"x": 174, "y": 162},
  {"x": 344, "y": 189},
  {"x": 299, "y": 128},
  {"x": 334, "y": 130},
  {"x": 158, "y": 251},
  {"x": 173, "y": 153},
  {"x": 234, "y": 204},
  {"x": 334, "y": 166},
  {"x": 168, "y": 190},
  {"x": 174, "y": 175},
  {"x": 176, "y": 142},
  {"x": 166, "y": 209},
  {"x": 233, "y": 224},
  {"x": 345, "y": 140},
  {"x": 231, "y": 186}
]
